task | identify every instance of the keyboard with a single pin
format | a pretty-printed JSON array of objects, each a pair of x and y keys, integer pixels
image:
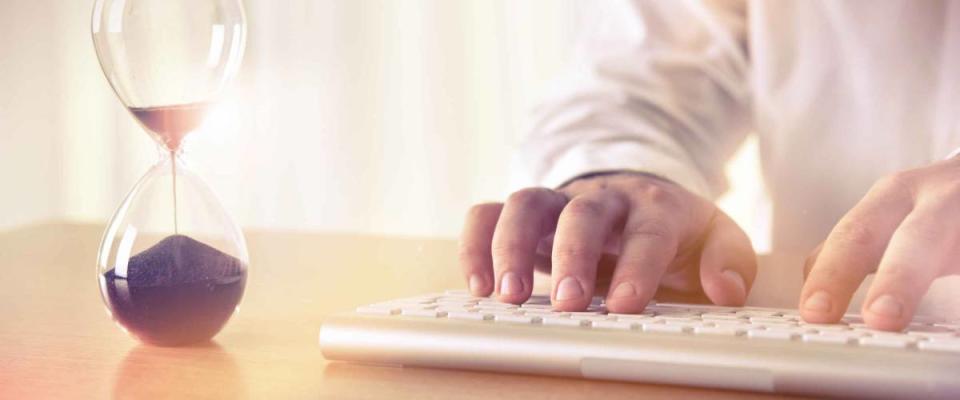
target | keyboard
[{"x": 742, "y": 348}]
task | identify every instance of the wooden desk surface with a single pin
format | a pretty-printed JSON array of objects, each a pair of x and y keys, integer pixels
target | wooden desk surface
[{"x": 56, "y": 340}]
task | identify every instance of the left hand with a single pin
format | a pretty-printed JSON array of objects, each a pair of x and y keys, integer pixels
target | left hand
[{"x": 907, "y": 230}]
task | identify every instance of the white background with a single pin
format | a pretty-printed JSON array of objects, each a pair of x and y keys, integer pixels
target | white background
[{"x": 371, "y": 116}]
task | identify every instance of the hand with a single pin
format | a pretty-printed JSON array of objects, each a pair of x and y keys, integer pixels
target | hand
[
  {"x": 657, "y": 233},
  {"x": 906, "y": 230}
]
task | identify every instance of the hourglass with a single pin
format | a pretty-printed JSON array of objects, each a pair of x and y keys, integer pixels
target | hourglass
[{"x": 172, "y": 264}]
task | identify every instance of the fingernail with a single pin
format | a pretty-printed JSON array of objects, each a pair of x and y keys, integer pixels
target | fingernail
[
  {"x": 510, "y": 284},
  {"x": 887, "y": 306},
  {"x": 625, "y": 289},
  {"x": 737, "y": 279},
  {"x": 818, "y": 302},
  {"x": 475, "y": 284},
  {"x": 569, "y": 288}
]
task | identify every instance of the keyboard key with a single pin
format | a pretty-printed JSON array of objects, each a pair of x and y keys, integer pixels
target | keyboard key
[
  {"x": 952, "y": 346},
  {"x": 467, "y": 315},
  {"x": 502, "y": 312},
  {"x": 926, "y": 319},
  {"x": 887, "y": 341},
  {"x": 455, "y": 307},
  {"x": 920, "y": 330},
  {"x": 585, "y": 313},
  {"x": 413, "y": 312},
  {"x": 516, "y": 318},
  {"x": 772, "y": 334},
  {"x": 378, "y": 310},
  {"x": 943, "y": 339},
  {"x": 496, "y": 309},
  {"x": 688, "y": 325},
  {"x": 780, "y": 325},
  {"x": 722, "y": 316},
  {"x": 851, "y": 335},
  {"x": 732, "y": 323},
  {"x": 668, "y": 309},
  {"x": 825, "y": 327},
  {"x": 759, "y": 314},
  {"x": 644, "y": 314},
  {"x": 719, "y": 330},
  {"x": 495, "y": 304},
  {"x": 833, "y": 339},
  {"x": 405, "y": 303},
  {"x": 795, "y": 329},
  {"x": 538, "y": 300},
  {"x": 665, "y": 328},
  {"x": 632, "y": 317},
  {"x": 635, "y": 320},
  {"x": 610, "y": 324},
  {"x": 544, "y": 313},
  {"x": 589, "y": 317},
  {"x": 562, "y": 321},
  {"x": 700, "y": 307},
  {"x": 773, "y": 320},
  {"x": 678, "y": 317},
  {"x": 942, "y": 336},
  {"x": 528, "y": 306}
]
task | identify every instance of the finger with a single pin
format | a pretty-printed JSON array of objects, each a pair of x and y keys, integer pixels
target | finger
[
  {"x": 728, "y": 264},
  {"x": 919, "y": 251},
  {"x": 475, "y": 242},
  {"x": 811, "y": 260},
  {"x": 649, "y": 244},
  {"x": 852, "y": 250},
  {"x": 582, "y": 229},
  {"x": 527, "y": 216}
]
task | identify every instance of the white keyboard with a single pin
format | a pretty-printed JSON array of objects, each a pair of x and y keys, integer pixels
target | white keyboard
[
  {"x": 924, "y": 334},
  {"x": 741, "y": 344}
]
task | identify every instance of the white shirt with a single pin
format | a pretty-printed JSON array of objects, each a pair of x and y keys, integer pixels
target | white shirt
[{"x": 840, "y": 93}]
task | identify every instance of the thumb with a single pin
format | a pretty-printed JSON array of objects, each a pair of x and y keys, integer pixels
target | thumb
[{"x": 728, "y": 264}]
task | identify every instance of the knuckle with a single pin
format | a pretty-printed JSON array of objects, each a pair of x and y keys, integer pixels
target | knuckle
[
  {"x": 470, "y": 252},
  {"x": 586, "y": 208},
  {"x": 946, "y": 194},
  {"x": 649, "y": 229},
  {"x": 896, "y": 182},
  {"x": 853, "y": 234},
  {"x": 530, "y": 197},
  {"x": 483, "y": 211},
  {"x": 900, "y": 275},
  {"x": 573, "y": 253},
  {"x": 659, "y": 196},
  {"x": 836, "y": 276},
  {"x": 504, "y": 249}
]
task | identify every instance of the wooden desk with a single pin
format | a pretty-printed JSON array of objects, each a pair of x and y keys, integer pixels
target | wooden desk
[{"x": 57, "y": 342}]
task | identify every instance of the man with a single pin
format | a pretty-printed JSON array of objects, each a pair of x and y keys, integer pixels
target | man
[{"x": 856, "y": 104}]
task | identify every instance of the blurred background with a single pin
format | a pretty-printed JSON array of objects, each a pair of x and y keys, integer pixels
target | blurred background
[{"x": 364, "y": 116}]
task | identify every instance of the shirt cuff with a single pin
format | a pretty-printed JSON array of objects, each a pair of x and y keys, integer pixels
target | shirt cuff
[
  {"x": 593, "y": 158},
  {"x": 953, "y": 154}
]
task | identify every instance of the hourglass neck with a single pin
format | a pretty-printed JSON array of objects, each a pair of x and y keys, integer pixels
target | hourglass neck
[{"x": 164, "y": 153}]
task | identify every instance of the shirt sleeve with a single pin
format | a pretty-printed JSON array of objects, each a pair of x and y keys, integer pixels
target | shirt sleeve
[{"x": 671, "y": 100}]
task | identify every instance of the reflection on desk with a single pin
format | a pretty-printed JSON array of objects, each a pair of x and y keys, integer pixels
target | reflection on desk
[{"x": 56, "y": 341}]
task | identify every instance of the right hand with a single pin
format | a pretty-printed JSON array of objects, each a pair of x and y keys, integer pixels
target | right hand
[{"x": 658, "y": 235}]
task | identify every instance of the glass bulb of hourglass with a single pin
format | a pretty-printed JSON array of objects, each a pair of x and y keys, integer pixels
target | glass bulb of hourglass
[
  {"x": 172, "y": 264},
  {"x": 169, "y": 284}
]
